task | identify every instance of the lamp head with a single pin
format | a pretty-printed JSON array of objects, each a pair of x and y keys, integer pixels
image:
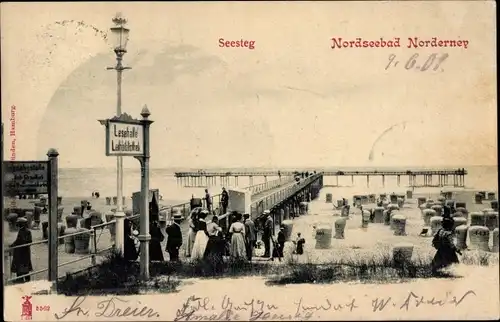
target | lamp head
[{"x": 120, "y": 33}]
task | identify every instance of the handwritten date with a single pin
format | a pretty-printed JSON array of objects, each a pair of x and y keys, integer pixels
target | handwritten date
[
  {"x": 42, "y": 308},
  {"x": 433, "y": 62}
]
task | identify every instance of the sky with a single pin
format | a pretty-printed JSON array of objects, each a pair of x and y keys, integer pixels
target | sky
[{"x": 292, "y": 101}]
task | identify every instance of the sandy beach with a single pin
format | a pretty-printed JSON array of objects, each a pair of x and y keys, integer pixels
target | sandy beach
[{"x": 377, "y": 238}]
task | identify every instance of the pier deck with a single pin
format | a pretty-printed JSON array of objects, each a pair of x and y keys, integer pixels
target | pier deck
[
  {"x": 339, "y": 172},
  {"x": 425, "y": 176}
]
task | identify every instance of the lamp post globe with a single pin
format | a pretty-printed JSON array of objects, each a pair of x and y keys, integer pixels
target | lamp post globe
[{"x": 120, "y": 34}]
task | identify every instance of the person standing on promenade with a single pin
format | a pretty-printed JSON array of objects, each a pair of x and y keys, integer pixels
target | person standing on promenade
[
  {"x": 237, "y": 231},
  {"x": 250, "y": 235},
  {"x": 224, "y": 200},
  {"x": 268, "y": 233},
  {"x": 208, "y": 201},
  {"x": 300, "y": 244},
  {"x": 281, "y": 239},
  {"x": 88, "y": 209},
  {"x": 129, "y": 249},
  {"x": 21, "y": 257},
  {"x": 446, "y": 249},
  {"x": 155, "y": 251},
  {"x": 214, "y": 251},
  {"x": 174, "y": 239},
  {"x": 201, "y": 238},
  {"x": 192, "y": 230}
]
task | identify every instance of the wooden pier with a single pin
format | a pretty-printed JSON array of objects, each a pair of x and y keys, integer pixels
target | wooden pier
[{"x": 416, "y": 178}]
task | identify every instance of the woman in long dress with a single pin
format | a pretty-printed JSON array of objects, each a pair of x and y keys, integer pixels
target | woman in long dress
[
  {"x": 237, "y": 231},
  {"x": 192, "y": 231},
  {"x": 446, "y": 250},
  {"x": 201, "y": 239},
  {"x": 21, "y": 259},
  {"x": 215, "y": 247},
  {"x": 155, "y": 250},
  {"x": 131, "y": 252}
]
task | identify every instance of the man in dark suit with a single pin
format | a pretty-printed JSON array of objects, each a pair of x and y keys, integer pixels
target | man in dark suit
[
  {"x": 174, "y": 241},
  {"x": 250, "y": 235},
  {"x": 224, "y": 200},
  {"x": 268, "y": 233}
]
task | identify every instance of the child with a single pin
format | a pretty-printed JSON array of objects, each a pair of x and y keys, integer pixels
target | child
[
  {"x": 300, "y": 244},
  {"x": 137, "y": 243}
]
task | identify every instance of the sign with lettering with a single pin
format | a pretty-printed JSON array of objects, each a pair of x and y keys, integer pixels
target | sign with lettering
[
  {"x": 26, "y": 177},
  {"x": 124, "y": 138}
]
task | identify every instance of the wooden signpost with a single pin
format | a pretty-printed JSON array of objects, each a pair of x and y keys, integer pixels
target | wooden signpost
[
  {"x": 126, "y": 136},
  {"x": 21, "y": 178}
]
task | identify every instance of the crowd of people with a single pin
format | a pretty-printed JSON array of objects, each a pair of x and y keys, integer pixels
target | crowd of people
[{"x": 210, "y": 240}]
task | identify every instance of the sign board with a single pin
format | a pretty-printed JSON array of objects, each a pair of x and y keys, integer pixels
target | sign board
[
  {"x": 124, "y": 138},
  {"x": 26, "y": 177}
]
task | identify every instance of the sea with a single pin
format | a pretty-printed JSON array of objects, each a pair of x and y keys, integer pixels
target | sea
[{"x": 81, "y": 182}]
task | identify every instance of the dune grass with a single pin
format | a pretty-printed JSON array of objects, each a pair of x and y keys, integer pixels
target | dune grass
[
  {"x": 120, "y": 277},
  {"x": 114, "y": 275}
]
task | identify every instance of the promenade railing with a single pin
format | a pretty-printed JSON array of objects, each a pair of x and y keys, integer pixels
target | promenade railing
[
  {"x": 269, "y": 201},
  {"x": 184, "y": 209},
  {"x": 100, "y": 241}
]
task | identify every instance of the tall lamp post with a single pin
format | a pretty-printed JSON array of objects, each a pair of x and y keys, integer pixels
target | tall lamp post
[{"x": 120, "y": 35}]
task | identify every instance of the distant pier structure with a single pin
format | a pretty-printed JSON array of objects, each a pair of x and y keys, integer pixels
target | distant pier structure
[
  {"x": 416, "y": 178},
  {"x": 224, "y": 178}
]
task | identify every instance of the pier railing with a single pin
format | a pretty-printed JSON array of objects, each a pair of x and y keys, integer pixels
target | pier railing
[
  {"x": 337, "y": 172},
  {"x": 185, "y": 208},
  {"x": 267, "y": 202}
]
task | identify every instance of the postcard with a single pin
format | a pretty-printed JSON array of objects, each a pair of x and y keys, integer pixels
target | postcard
[{"x": 249, "y": 161}]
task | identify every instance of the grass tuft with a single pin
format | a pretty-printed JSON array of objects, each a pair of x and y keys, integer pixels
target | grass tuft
[{"x": 114, "y": 275}]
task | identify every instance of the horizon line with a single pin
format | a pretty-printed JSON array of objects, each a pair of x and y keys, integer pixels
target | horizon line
[{"x": 291, "y": 167}]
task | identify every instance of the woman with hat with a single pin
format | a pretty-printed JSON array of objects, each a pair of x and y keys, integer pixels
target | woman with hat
[
  {"x": 130, "y": 251},
  {"x": 21, "y": 258},
  {"x": 237, "y": 231},
  {"x": 201, "y": 239},
  {"x": 216, "y": 245},
  {"x": 192, "y": 222},
  {"x": 155, "y": 251},
  {"x": 446, "y": 249}
]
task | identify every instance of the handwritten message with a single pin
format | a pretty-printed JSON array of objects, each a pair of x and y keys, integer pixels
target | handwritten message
[
  {"x": 206, "y": 309},
  {"x": 113, "y": 307}
]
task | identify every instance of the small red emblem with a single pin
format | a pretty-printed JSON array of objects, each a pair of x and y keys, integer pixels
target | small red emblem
[{"x": 27, "y": 308}]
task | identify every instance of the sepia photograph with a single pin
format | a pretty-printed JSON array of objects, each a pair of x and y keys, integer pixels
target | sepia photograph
[{"x": 249, "y": 161}]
